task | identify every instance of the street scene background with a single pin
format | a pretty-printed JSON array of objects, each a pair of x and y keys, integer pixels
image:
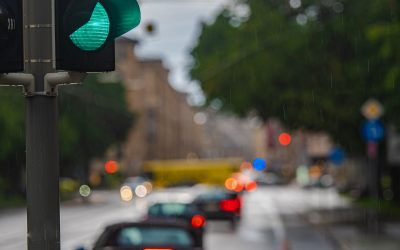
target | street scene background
[{"x": 292, "y": 105}]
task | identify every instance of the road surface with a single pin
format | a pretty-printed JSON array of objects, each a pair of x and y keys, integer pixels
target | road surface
[{"x": 273, "y": 218}]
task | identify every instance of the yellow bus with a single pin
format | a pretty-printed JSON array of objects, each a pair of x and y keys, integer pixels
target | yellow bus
[{"x": 166, "y": 173}]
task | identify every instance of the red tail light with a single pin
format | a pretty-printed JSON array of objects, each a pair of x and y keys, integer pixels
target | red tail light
[
  {"x": 157, "y": 249},
  {"x": 198, "y": 221},
  {"x": 231, "y": 205}
]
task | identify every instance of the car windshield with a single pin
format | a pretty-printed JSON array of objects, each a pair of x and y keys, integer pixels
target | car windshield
[
  {"x": 154, "y": 236},
  {"x": 214, "y": 195},
  {"x": 168, "y": 209}
]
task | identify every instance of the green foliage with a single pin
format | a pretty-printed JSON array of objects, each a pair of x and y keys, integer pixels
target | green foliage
[
  {"x": 12, "y": 141},
  {"x": 312, "y": 67},
  {"x": 93, "y": 116},
  {"x": 12, "y": 133}
]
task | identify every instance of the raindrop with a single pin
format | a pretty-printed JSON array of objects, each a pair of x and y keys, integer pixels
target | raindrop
[
  {"x": 301, "y": 19},
  {"x": 312, "y": 12},
  {"x": 200, "y": 118},
  {"x": 295, "y": 4},
  {"x": 338, "y": 7}
]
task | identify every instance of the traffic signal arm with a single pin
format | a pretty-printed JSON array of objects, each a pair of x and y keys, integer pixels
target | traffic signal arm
[
  {"x": 19, "y": 79},
  {"x": 52, "y": 80}
]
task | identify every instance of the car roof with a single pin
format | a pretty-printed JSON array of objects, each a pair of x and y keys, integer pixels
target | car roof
[
  {"x": 216, "y": 193},
  {"x": 161, "y": 203},
  {"x": 148, "y": 223}
]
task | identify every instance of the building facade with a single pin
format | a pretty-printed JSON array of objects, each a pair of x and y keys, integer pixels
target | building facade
[{"x": 164, "y": 127}]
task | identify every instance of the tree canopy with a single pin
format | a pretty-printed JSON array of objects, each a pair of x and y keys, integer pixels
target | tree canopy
[
  {"x": 93, "y": 116},
  {"x": 312, "y": 65}
]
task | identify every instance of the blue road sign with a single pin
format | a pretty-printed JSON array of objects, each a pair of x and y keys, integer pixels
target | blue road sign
[
  {"x": 337, "y": 156},
  {"x": 373, "y": 130}
]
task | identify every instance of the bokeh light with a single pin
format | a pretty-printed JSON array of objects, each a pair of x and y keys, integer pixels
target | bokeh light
[
  {"x": 126, "y": 193},
  {"x": 239, "y": 187},
  {"x": 285, "y": 139},
  {"x": 240, "y": 177},
  {"x": 259, "y": 164},
  {"x": 251, "y": 186},
  {"x": 84, "y": 190},
  {"x": 149, "y": 186},
  {"x": 111, "y": 167},
  {"x": 231, "y": 183},
  {"x": 198, "y": 221},
  {"x": 301, "y": 19},
  {"x": 141, "y": 191},
  {"x": 295, "y": 4},
  {"x": 200, "y": 118},
  {"x": 94, "y": 179},
  {"x": 245, "y": 166}
]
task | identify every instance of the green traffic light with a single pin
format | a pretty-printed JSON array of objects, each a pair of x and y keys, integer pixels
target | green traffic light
[
  {"x": 125, "y": 15},
  {"x": 93, "y": 34}
]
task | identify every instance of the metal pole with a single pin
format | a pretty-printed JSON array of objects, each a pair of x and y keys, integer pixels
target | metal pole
[
  {"x": 42, "y": 159},
  {"x": 42, "y": 153},
  {"x": 374, "y": 224}
]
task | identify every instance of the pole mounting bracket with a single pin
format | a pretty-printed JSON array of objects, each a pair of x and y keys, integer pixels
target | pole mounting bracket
[
  {"x": 52, "y": 80},
  {"x": 27, "y": 81}
]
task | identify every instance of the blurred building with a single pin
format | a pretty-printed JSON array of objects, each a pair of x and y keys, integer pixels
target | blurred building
[
  {"x": 305, "y": 148},
  {"x": 228, "y": 136},
  {"x": 164, "y": 126}
]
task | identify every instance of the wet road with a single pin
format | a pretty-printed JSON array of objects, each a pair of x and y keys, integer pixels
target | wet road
[{"x": 273, "y": 218}]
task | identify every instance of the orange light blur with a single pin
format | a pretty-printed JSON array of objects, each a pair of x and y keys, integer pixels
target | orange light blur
[
  {"x": 111, "y": 167},
  {"x": 240, "y": 177},
  {"x": 157, "y": 249},
  {"x": 315, "y": 172},
  {"x": 245, "y": 166},
  {"x": 285, "y": 139},
  {"x": 239, "y": 187},
  {"x": 231, "y": 183},
  {"x": 198, "y": 221},
  {"x": 251, "y": 186}
]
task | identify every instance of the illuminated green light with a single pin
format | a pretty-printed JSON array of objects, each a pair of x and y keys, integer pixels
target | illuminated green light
[
  {"x": 125, "y": 15},
  {"x": 93, "y": 34}
]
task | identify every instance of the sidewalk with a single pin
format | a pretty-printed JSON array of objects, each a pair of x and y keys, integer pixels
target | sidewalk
[{"x": 348, "y": 228}]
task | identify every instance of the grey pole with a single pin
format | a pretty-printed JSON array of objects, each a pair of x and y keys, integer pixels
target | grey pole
[
  {"x": 42, "y": 153},
  {"x": 42, "y": 158}
]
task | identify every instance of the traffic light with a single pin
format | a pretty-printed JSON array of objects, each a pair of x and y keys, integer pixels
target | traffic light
[
  {"x": 85, "y": 32},
  {"x": 11, "y": 39},
  {"x": 285, "y": 139}
]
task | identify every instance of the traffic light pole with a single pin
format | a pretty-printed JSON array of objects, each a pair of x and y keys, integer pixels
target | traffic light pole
[
  {"x": 42, "y": 152},
  {"x": 40, "y": 81}
]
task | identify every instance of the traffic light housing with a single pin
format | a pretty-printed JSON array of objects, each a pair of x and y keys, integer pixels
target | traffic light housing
[
  {"x": 85, "y": 32},
  {"x": 11, "y": 39}
]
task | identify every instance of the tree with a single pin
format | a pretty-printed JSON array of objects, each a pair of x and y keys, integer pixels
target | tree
[
  {"x": 93, "y": 116},
  {"x": 312, "y": 67},
  {"x": 12, "y": 141}
]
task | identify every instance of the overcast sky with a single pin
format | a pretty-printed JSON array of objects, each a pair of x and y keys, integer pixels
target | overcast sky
[{"x": 177, "y": 29}]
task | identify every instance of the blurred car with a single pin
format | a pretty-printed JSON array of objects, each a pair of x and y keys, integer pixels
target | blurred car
[
  {"x": 135, "y": 186},
  {"x": 153, "y": 235},
  {"x": 133, "y": 182},
  {"x": 175, "y": 211},
  {"x": 220, "y": 204},
  {"x": 264, "y": 179}
]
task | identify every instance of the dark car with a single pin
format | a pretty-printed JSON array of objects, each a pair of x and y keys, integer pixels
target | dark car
[
  {"x": 175, "y": 211},
  {"x": 219, "y": 204},
  {"x": 152, "y": 235}
]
